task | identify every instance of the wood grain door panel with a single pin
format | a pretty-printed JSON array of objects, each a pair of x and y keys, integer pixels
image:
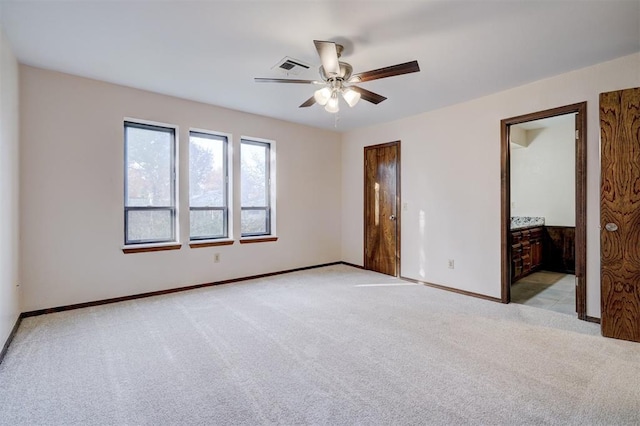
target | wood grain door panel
[
  {"x": 381, "y": 209},
  {"x": 620, "y": 205}
]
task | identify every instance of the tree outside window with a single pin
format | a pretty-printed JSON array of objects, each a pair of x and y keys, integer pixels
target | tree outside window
[
  {"x": 208, "y": 183},
  {"x": 255, "y": 217},
  {"x": 149, "y": 183}
]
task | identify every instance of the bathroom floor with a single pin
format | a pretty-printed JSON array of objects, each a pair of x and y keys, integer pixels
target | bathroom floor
[{"x": 547, "y": 290}]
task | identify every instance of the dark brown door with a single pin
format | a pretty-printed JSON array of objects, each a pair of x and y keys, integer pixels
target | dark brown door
[
  {"x": 620, "y": 213},
  {"x": 381, "y": 193}
]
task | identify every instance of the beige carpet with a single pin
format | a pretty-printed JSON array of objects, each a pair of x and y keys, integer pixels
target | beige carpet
[{"x": 334, "y": 345}]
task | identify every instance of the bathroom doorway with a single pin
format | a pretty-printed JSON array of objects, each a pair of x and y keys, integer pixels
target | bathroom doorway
[{"x": 544, "y": 209}]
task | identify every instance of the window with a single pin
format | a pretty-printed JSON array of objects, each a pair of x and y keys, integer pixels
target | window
[
  {"x": 208, "y": 186},
  {"x": 255, "y": 183},
  {"x": 149, "y": 184}
]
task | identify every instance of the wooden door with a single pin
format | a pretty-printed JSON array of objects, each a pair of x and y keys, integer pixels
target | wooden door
[
  {"x": 381, "y": 221},
  {"x": 620, "y": 213}
]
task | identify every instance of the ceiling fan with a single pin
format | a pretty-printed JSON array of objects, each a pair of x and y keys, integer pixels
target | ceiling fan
[{"x": 337, "y": 78}]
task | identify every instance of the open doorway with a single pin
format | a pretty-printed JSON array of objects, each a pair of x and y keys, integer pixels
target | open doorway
[
  {"x": 543, "y": 219},
  {"x": 544, "y": 209}
]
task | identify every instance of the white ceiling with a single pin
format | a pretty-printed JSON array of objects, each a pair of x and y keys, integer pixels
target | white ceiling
[
  {"x": 527, "y": 134},
  {"x": 209, "y": 51},
  {"x": 543, "y": 123}
]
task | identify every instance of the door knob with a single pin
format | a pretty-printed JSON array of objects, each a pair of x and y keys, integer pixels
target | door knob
[
  {"x": 611, "y": 227},
  {"x": 392, "y": 217}
]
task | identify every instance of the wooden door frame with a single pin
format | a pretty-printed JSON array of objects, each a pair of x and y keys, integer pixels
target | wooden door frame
[
  {"x": 398, "y": 199},
  {"x": 580, "y": 109}
]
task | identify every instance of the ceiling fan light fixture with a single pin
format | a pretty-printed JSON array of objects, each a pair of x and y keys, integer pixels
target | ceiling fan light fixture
[
  {"x": 332, "y": 104},
  {"x": 351, "y": 96},
  {"x": 322, "y": 96}
]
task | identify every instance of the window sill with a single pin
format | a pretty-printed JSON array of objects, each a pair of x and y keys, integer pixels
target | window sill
[
  {"x": 143, "y": 248},
  {"x": 250, "y": 240},
  {"x": 210, "y": 243}
]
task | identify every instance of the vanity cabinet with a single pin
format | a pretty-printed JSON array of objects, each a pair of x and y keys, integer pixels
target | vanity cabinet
[{"x": 526, "y": 251}]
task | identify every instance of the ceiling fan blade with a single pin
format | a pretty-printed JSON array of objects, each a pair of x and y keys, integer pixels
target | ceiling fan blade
[
  {"x": 368, "y": 96},
  {"x": 286, "y": 80},
  {"x": 406, "y": 68},
  {"x": 328, "y": 56},
  {"x": 308, "y": 102}
]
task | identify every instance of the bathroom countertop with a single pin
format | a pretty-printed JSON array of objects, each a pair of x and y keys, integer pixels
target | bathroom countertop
[{"x": 520, "y": 222}]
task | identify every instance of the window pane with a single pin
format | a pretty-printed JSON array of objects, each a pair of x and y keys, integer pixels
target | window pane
[
  {"x": 207, "y": 224},
  {"x": 149, "y": 166},
  {"x": 206, "y": 171},
  {"x": 253, "y": 222},
  {"x": 253, "y": 175},
  {"x": 149, "y": 225}
]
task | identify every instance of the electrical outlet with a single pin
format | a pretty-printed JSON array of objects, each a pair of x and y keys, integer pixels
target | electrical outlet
[
  {"x": 451, "y": 264},
  {"x": 216, "y": 258}
]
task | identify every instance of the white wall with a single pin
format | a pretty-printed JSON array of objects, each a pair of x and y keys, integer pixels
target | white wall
[
  {"x": 543, "y": 175},
  {"x": 72, "y": 193},
  {"x": 9, "y": 200},
  {"x": 451, "y": 179}
]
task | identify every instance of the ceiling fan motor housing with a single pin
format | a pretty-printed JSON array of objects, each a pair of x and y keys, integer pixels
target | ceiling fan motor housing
[{"x": 345, "y": 72}]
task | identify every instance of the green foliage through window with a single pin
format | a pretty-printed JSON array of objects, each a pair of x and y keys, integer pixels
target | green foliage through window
[
  {"x": 208, "y": 183},
  {"x": 149, "y": 183},
  {"x": 255, "y": 215},
  {"x": 150, "y": 213}
]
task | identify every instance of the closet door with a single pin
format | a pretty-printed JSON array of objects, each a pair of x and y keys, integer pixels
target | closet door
[
  {"x": 620, "y": 213},
  {"x": 381, "y": 221}
]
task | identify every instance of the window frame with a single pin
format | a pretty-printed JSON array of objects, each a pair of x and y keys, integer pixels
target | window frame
[
  {"x": 269, "y": 207},
  {"x": 226, "y": 210},
  {"x": 173, "y": 131}
]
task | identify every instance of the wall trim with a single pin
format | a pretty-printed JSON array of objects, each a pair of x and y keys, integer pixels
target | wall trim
[
  {"x": 251, "y": 240},
  {"x": 168, "y": 291},
  {"x": 38, "y": 312},
  {"x": 144, "y": 249},
  {"x": 202, "y": 244},
  {"x": 454, "y": 290},
  {"x": 353, "y": 265},
  {"x": 14, "y": 330}
]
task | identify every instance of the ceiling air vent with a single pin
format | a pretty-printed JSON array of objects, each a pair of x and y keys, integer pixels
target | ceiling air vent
[{"x": 290, "y": 66}]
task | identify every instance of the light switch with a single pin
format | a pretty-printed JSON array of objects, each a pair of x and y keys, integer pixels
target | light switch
[{"x": 404, "y": 207}]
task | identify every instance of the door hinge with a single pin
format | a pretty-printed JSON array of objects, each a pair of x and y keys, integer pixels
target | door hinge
[{"x": 577, "y": 134}]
